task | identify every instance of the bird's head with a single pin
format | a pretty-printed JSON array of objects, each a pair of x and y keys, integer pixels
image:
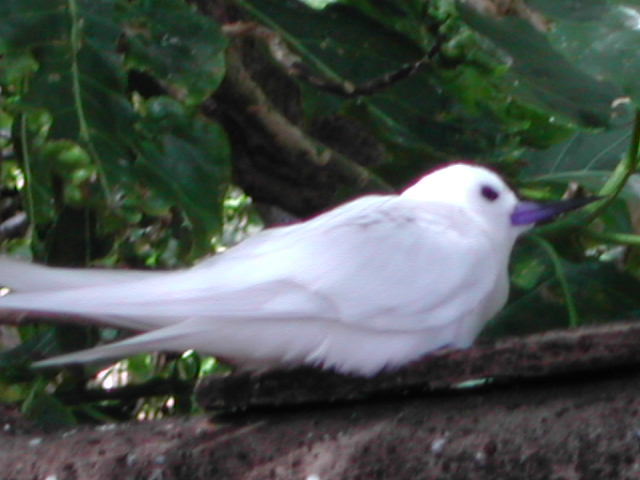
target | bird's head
[{"x": 483, "y": 193}]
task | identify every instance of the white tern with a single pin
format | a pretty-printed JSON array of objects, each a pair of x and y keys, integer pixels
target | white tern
[{"x": 370, "y": 285}]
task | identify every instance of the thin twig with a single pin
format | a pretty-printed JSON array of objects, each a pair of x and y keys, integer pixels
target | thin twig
[{"x": 330, "y": 81}]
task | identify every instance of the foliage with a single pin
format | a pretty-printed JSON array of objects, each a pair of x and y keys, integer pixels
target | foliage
[
  {"x": 104, "y": 138},
  {"x": 101, "y": 110}
]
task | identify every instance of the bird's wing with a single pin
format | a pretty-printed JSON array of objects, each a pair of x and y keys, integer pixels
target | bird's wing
[
  {"x": 403, "y": 265},
  {"x": 380, "y": 262},
  {"x": 252, "y": 278}
]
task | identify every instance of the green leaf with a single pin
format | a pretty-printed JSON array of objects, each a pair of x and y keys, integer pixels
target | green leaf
[
  {"x": 189, "y": 161},
  {"x": 182, "y": 48},
  {"x": 541, "y": 74},
  {"x": 434, "y": 114},
  {"x": 80, "y": 81},
  {"x": 25, "y": 23},
  {"x": 601, "y": 292},
  {"x": 416, "y": 114},
  {"x": 600, "y": 37},
  {"x": 16, "y": 65},
  {"x": 39, "y": 345},
  {"x": 583, "y": 156},
  {"x": 48, "y": 412},
  {"x": 586, "y": 158},
  {"x": 340, "y": 42},
  {"x": 77, "y": 74},
  {"x": 319, "y": 4},
  {"x": 406, "y": 16}
]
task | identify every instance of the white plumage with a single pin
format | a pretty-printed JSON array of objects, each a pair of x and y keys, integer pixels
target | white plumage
[{"x": 370, "y": 285}]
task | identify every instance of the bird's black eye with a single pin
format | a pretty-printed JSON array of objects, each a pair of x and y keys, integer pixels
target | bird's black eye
[{"x": 489, "y": 193}]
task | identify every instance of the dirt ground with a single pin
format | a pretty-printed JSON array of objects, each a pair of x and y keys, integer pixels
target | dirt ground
[{"x": 586, "y": 428}]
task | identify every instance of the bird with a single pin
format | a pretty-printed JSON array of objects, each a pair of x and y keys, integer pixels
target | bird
[{"x": 368, "y": 286}]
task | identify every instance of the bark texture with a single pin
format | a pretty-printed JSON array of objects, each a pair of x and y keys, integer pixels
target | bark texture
[
  {"x": 561, "y": 421},
  {"x": 573, "y": 430}
]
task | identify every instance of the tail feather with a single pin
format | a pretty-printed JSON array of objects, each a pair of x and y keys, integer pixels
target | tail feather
[
  {"x": 267, "y": 342},
  {"x": 165, "y": 339},
  {"x": 255, "y": 341},
  {"x": 172, "y": 298},
  {"x": 22, "y": 276}
]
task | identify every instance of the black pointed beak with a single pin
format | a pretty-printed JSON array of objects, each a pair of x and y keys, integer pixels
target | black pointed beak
[{"x": 528, "y": 213}]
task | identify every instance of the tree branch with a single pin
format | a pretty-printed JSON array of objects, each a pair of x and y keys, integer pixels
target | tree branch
[{"x": 294, "y": 144}]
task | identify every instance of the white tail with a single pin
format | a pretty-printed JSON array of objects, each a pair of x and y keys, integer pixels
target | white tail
[{"x": 28, "y": 277}]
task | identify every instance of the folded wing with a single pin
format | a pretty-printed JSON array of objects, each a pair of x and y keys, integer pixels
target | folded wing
[{"x": 376, "y": 282}]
